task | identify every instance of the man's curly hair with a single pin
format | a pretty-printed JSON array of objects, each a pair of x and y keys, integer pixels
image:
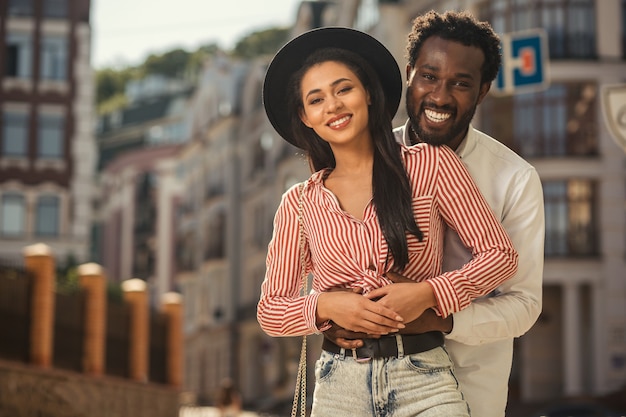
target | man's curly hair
[{"x": 459, "y": 27}]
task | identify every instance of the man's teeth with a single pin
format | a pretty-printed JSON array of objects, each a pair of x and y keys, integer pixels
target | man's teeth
[
  {"x": 435, "y": 116},
  {"x": 339, "y": 121}
]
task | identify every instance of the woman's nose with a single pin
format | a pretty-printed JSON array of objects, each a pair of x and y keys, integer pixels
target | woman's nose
[{"x": 332, "y": 104}]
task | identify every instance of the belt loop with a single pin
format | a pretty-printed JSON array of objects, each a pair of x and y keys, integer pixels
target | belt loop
[
  {"x": 400, "y": 346},
  {"x": 342, "y": 354}
]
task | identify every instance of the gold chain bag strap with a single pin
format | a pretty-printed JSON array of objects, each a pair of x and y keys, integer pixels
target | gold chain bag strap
[{"x": 300, "y": 391}]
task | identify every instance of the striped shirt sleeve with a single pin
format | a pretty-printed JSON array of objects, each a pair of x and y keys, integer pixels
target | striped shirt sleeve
[
  {"x": 494, "y": 258},
  {"x": 282, "y": 310}
]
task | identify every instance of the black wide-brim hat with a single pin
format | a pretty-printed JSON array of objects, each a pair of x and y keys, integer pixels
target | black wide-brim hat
[{"x": 291, "y": 57}]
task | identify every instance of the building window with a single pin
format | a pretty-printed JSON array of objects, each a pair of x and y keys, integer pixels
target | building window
[
  {"x": 570, "y": 24},
  {"x": 258, "y": 158},
  {"x": 215, "y": 245},
  {"x": 54, "y": 58},
  {"x": 13, "y": 209},
  {"x": 50, "y": 134},
  {"x": 259, "y": 236},
  {"x": 47, "y": 219},
  {"x": 570, "y": 218},
  {"x": 20, "y": 7},
  {"x": 55, "y": 9},
  {"x": 14, "y": 134},
  {"x": 18, "y": 54},
  {"x": 560, "y": 121}
]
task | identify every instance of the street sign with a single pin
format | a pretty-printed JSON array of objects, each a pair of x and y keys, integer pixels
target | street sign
[
  {"x": 614, "y": 111},
  {"x": 524, "y": 63}
]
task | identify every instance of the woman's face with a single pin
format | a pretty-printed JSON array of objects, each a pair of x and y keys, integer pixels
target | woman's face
[{"x": 335, "y": 104}]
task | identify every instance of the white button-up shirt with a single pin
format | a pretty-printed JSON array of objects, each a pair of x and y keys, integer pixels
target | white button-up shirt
[{"x": 481, "y": 342}]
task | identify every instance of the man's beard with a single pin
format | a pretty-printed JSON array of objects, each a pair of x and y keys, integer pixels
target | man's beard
[{"x": 437, "y": 139}]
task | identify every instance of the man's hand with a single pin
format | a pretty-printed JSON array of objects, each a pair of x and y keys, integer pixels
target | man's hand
[
  {"x": 426, "y": 322},
  {"x": 397, "y": 278},
  {"x": 429, "y": 321},
  {"x": 346, "y": 339}
]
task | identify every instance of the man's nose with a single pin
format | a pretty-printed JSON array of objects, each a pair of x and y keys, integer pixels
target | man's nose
[{"x": 440, "y": 93}]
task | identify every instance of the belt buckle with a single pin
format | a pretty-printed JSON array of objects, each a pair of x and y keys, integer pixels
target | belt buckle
[{"x": 360, "y": 360}]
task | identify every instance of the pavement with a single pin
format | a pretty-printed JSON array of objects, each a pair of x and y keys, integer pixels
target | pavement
[
  {"x": 515, "y": 408},
  {"x": 615, "y": 401}
]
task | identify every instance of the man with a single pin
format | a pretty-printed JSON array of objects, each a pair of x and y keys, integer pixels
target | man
[{"x": 452, "y": 60}]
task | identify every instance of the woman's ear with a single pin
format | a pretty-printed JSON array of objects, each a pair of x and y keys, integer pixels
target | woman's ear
[{"x": 304, "y": 118}]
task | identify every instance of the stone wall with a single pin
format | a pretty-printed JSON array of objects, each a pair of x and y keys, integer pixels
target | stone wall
[{"x": 29, "y": 391}]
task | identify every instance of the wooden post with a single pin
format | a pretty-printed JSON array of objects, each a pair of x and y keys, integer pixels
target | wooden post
[
  {"x": 92, "y": 280},
  {"x": 172, "y": 307},
  {"x": 40, "y": 263},
  {"x": 136, "y": 295}
]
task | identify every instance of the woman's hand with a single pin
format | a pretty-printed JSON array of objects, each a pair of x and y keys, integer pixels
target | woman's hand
[
  {"x": 409, "y": 300},
  {"x": 355, "y": 312}
]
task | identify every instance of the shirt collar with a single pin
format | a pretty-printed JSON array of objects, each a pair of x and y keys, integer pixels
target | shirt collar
[{"x": 464, "y": 148}]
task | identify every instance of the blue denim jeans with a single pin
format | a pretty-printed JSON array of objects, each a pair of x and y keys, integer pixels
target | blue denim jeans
[{"x": 421, "y": 385}]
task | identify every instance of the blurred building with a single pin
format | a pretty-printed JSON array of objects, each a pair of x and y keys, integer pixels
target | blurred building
[
  {"x": 156, "y": 114},
  {"x": 47, "y": 146},
  {"x": 232, "y": 180},
  {"x": 137, "y": 189}
]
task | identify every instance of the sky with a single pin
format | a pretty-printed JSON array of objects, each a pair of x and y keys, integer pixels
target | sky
[{"x": 125, "y": 32}]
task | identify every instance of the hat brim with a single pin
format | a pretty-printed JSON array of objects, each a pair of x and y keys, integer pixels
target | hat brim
[{"x": 292, "y": 56}]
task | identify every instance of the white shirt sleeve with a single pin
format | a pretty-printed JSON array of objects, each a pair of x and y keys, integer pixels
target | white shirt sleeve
[{"x": 516, "y": 304}]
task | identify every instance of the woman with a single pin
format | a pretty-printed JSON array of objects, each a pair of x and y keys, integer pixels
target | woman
[{"x": 371, "y": 207}]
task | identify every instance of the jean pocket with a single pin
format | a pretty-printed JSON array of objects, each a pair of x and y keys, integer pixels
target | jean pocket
[
  {"x": 434, "y": 360},
  {"x": 325, "y": 366}
]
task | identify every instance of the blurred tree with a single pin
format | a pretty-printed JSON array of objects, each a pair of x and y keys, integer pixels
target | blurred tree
[
  {"x": 171, "y": 64},
  {"x": 196, "y": 60},
  {"x": 110, "y": 84},
  {"x": 264, "y": 42},
  {"x": 178, "y": 63},
  {"x": 67, "y": 275}
]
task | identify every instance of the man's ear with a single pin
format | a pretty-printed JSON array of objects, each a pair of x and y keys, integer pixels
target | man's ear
[
  {"x": 484, "y": 89},
  {"x": 408, "y": 70}
]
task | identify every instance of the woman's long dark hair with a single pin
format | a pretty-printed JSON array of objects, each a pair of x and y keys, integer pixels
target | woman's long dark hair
[{"x": 390, "y": 183}]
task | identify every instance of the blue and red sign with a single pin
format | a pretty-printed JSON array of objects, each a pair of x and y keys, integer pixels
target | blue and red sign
[{"x": 524, "y": 63}]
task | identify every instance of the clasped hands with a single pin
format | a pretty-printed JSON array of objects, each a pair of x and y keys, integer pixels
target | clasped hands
[{"x": 404, "y": 307}]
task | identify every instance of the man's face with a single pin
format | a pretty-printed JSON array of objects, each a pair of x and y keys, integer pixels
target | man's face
[{"x": 443, "y": 89}]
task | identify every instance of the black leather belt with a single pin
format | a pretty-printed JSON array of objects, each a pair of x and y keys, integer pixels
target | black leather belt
[{"x": 387, "y": 346}]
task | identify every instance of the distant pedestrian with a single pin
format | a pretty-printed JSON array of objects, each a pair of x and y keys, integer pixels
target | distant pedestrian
[{"x": 228, "y": 399}]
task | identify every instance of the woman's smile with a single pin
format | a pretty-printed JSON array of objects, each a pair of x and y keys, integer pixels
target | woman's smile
[{"x": 340, "y": 122}]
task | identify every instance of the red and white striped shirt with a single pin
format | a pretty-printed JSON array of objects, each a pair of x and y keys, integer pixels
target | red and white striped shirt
[{"x": 342, "y": 251}]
